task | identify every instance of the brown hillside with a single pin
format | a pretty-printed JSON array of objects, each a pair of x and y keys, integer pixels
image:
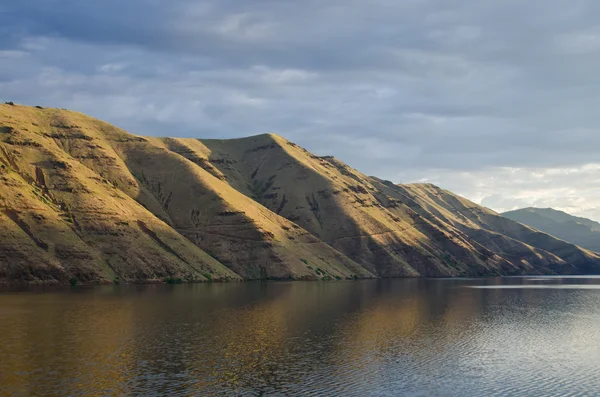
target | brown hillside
[
  {"x": 62, "y": 220},
  {"x": 81, "y": 199},
  {"x": 95, "y": 173},
  {"x": 343, "y": 208},
  {"x": 510, "y": 239}
]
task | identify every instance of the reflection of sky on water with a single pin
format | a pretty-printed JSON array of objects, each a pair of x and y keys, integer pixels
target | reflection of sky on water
[
  {"x": 539, "y": 286},
  {"x": 505, "y": 336}
]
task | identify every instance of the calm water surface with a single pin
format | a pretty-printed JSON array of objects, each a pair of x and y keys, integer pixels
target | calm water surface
[{"x": 460, "y": 337}]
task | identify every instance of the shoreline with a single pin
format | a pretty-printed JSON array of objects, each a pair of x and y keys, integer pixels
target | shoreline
[{"x": 58, "y": 287}]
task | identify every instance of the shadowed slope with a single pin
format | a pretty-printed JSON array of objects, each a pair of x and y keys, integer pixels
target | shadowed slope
[
  {"x": 247, "y": 237},
  {"x": 82, "y": 199},
  {"x": 238, "y": 232},
  {"x": 63, "y": 220},
  {"x": 511, "y": 239},
  {"x": 342, "y": 207},
  {"x": 581, "y": 231}
]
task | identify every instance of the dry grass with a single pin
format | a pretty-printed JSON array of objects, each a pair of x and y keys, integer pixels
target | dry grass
[{"x": 82, "y": 199}]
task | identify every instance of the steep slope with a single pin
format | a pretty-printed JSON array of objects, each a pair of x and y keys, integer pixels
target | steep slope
[
  {"x": 247, "y": 237},
  {"x": 83, "y": 200},
  {"x": 375, "y": 223},
  {"x": 99, "y": 172},
  {"x": 341, "y": 207},
  {"x": 503, "y": 236},
  {"x": 581, "y": 231},
  {"x": 59, "y": 220}
]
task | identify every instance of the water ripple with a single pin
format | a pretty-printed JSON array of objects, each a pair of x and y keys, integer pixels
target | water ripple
[{"x": 500, "y": 337}]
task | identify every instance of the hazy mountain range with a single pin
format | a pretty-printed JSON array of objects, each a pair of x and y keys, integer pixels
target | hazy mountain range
[
  {"x": 83, "y": 200},
  {"x": 581, "y": 231}
]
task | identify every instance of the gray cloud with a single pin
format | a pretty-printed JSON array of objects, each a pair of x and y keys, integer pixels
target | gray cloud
[{"x": 452, "y": 92}]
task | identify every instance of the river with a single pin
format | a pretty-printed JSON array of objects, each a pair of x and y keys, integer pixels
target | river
[{"x": 413, "y": 337}]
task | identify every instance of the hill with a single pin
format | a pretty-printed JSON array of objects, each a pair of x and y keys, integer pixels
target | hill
[
  {"x": 581, "y": 231},
  {"x": 83, "y": 200}
]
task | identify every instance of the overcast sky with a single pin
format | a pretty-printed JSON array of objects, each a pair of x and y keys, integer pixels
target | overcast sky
[{"x": 498, "y": 100}]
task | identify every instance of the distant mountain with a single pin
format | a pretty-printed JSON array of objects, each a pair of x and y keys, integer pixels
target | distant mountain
[
  {"x": 84, "y": 201},
  {"x": 581, "y": 231}
]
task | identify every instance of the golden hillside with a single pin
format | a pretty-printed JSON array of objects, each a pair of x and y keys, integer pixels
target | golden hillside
[
  {"x": 83, "y": 200},
  {"x": 525, "y": 247},
  {"x": 342, "y": 207}
]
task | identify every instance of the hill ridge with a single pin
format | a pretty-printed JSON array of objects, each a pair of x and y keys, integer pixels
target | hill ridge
[
  {"x": 83, "y": 200},
  {"x": 577, "y": 230}
]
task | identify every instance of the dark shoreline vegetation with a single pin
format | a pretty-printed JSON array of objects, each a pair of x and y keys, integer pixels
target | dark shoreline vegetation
[
  {"x": 85, "y": 203},
  {"x": 62, "y": 287},
  {"x": 71, "y": 285}
]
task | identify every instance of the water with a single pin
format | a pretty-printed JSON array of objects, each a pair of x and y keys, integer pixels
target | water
[{"x": 460, "y": 337}]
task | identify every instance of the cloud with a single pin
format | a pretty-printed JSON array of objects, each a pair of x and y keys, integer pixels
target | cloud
[
  {"x": 574, "y": 189},
  {"x": 479, "y": 97}
]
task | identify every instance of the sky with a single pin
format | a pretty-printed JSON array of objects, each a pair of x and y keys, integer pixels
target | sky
[{"x": 497, "y": 100}]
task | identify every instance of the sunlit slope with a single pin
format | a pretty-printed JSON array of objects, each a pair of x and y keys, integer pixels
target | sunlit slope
[
  {"x": 200, "y": 211},
  {"x": 512, "y": 240},
  {"x": 81, "y": 199},
  {"x": 61, "y": 219},
  {"x": 238, "y": 231},
  {"x": 340, "y": 206}
]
